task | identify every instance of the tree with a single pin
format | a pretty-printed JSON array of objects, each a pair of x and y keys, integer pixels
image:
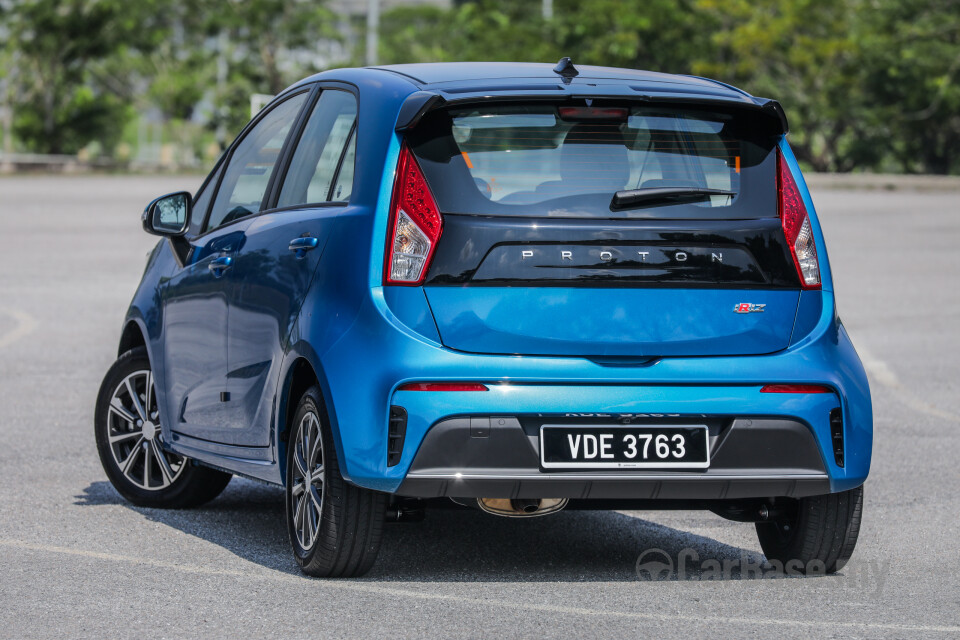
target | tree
[
  {"x": 911, "y": 71},
  {"x": 487, "y": 30},
  {"x": 653, "y": 34},
  {"x": 267, "y": 45},
  {"x": 804, "y": 54},
  {"x": 58, "y": 103},
  {"x": 867, "y": 84},
  {"x": 656, "y": 35}
]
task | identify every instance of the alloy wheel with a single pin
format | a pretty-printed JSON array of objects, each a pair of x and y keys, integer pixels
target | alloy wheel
[
  {"x": 134, "y": 435},
  {"x": 307, "y": 481}
]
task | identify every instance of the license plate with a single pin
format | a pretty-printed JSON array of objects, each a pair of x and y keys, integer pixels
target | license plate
[{"x": 624, "y": 447}]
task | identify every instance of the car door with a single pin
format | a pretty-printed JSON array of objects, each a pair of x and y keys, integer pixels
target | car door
[
  {"x": 196, "y": 298},
  {"x": 278, "y": 257}
]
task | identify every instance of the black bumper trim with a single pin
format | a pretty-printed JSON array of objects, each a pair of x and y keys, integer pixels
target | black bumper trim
[
  {"x": 588, "y": 487},
  {"x": 755, "y": 457}
]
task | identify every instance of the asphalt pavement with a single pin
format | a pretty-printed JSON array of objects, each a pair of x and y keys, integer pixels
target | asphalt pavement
[{"x": 77, "y": 561}]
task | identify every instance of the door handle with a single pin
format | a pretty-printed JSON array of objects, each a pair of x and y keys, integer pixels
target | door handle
[
  {"x": 219, "y": 265},
  {"x": 302, "y": 245}
]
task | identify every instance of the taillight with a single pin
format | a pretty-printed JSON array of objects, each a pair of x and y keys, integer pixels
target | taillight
[
  {"x": 796, "y": 227},
  {"x": 415, "y": 224}
]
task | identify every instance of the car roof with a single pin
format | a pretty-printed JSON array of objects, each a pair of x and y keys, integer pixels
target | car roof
[
  {"x": 420, "y": 87},
  {"x": 430, "y": 75}
]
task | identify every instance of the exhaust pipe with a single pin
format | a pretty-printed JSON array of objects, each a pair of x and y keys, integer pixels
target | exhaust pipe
[
  {"x": 521, "y": 507},
  {"x": 526, "y": 505}
]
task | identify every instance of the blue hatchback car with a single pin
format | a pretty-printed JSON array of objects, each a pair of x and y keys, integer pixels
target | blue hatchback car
[{"x": 514, "y": 287}]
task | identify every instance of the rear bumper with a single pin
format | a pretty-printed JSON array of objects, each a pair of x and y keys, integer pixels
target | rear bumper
[
  {"x": 361, "y": 372},
  {"x": 499, "y": 457}
]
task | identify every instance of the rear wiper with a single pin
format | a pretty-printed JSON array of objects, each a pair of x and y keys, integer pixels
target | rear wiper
[{"x": 636, "y": 198}]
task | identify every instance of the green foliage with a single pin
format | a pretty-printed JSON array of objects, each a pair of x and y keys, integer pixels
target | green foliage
[
  {"x": 867, "y": 84},
  {"x": 484, "y": 30},
  {"x": 56, "y": 44},
  {"x": 911, "y": 71},
  {"x": 264, "y": 29},
  {"x": 268, "y": 44},
  {"x": 657, "y": 35},
  {"x": 82, "y": 64},
  {"x": 79, "y": 117},
  {"x": 803, "y": 53},
  {"x": 653, "y": 34}
]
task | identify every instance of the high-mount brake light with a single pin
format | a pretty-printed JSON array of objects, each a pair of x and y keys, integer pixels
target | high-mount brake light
[
  {"x": 415, "y": 224},
  {"x": 796, "y": 226},
  {"x": 443, "y": 386},
  {"x": 795, "y": 388},
  {"x": 592, "y": 113}
]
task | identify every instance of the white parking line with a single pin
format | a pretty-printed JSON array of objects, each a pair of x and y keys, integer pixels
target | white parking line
[
  {"x": 364, "y": 587},
  {"x": 880, "y": 372},
  {"x": 25, "y": 326}
]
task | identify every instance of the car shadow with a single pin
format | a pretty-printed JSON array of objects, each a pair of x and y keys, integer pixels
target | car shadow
[{"x": 457, "y": 545}]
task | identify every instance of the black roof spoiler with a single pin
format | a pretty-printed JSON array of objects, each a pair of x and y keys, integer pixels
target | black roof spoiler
[
  {"x": 773, "y": 107},
  {"x": 415, "y": 107},
  {"x": 419, "y": 103}
]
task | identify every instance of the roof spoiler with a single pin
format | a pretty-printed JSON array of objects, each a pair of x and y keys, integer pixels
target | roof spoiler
[
  {"x": 415, "y": 107},
  {"x": 774, "y": 108},
  {"x": 419, "y": 103}
]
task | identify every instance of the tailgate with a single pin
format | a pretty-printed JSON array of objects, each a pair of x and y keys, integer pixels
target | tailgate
[{"x": 606, "y": 229}]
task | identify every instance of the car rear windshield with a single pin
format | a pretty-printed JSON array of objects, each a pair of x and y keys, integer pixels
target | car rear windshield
[{"x": 569, "y": 160}]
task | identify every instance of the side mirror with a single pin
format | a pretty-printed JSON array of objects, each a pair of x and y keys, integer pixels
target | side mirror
[{"x": 168, "y": 215}]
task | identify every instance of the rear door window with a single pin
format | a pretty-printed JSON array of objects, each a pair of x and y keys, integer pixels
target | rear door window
[{"x": 562, "y": 160}]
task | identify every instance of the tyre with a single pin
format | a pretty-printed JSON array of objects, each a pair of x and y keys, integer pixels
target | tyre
[
  {"x": 335, "y": 527},
  {"x": 127, "y": 428},
  {"x": 818, "y": 532}
]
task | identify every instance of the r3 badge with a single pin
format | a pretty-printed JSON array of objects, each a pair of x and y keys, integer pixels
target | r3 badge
[{"x": 748, "y": 307}]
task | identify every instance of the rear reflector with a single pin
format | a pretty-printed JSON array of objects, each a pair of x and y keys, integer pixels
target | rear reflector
[
  {"x": 796, "y": 227},
  {"x": 443, "y": 386},
  {"x": 395, "y": 435},
  {"x": 795, "y": 388},
  {"x": 836, "y": 434}
]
